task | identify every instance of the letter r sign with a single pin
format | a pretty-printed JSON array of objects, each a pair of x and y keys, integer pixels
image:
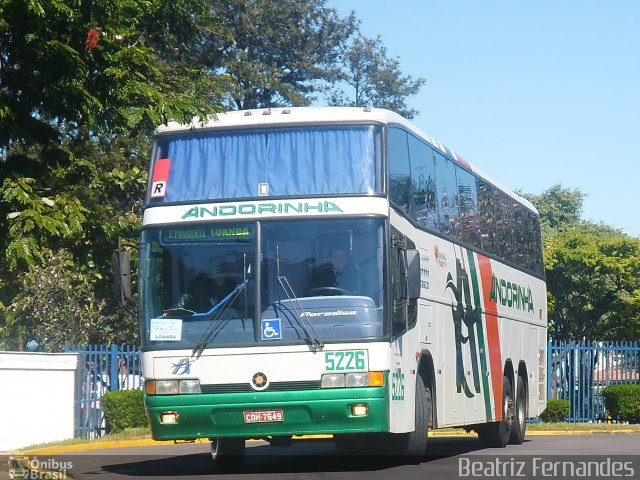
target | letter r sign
[
  {"x": 160, "y": 178},
  {"x": 157, "y": 189}
]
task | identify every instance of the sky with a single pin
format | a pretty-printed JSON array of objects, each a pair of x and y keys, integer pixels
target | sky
[{"x": 533, "y": 93}]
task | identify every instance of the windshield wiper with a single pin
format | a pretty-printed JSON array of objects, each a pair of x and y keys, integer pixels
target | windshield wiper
[
  {"x": 217, "y": 311},
  {"x": 299, "y": 313}
]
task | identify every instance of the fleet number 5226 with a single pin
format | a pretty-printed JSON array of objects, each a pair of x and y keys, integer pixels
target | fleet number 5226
[{"x": 343, "y": 361}]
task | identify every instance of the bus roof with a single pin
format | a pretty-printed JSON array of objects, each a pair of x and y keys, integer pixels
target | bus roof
[{"x": 327, "y": 115}]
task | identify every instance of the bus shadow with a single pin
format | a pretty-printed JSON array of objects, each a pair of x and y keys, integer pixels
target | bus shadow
[{"x": 303, "y": 457}]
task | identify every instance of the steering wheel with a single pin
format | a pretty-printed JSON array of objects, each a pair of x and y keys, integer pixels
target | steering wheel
[{"x": 330, "y": 291}]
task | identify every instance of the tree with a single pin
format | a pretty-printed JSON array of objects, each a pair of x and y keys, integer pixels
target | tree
[
  {"x": 592, "y": 271},
  {"x": 560, "y": 208},
  {"x": 81, "y": 85},
  {"x": 375, "y": 79},
  {"x": 593, "y": 281},
  {"x": 276, "y": 54}
]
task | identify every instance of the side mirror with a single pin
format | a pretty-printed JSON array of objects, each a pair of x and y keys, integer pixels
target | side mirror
[{"x": 413, "y": 274}]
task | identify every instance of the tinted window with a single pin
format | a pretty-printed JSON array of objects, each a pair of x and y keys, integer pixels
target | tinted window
[
  {"x": 425, "y": 209},
  {"x": 504, "y": 223},
  {"x": 468, "y": 203},
  {"x": 447, "y": 196},
  {"x": 399, "y": 169}
]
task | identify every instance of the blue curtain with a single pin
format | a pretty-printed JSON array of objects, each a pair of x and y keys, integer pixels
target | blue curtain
[{"x": 293, "y": 162}]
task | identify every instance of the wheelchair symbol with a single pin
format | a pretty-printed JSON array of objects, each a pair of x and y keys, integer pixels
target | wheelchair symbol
[{"x": 271, "y": 329}]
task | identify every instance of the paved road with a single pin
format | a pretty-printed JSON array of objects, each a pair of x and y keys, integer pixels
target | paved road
[{"x": 449, "y": 457}]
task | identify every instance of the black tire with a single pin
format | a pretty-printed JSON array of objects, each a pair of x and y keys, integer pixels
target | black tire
[
  {"x": 497, "y": 434},
  {"x": 519, "y": 427},
  {"x": 414, "y": 444},
  {"x": 227, "y": 452}
]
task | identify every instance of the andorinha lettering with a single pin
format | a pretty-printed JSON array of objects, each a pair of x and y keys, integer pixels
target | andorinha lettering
[
  {"x": 511, "y": 294},
  {"x": 261, "y": 209}
]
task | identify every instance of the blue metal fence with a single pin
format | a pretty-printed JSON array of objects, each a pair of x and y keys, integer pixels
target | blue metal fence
[
  {"x": 579, "y": 370},
  {"x": 102, "y": 369}
]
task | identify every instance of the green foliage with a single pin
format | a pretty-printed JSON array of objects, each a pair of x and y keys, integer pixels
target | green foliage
[
  {"x": 124, "y": 409},
  {"x": 82, "y": 85},
  {"x": 71, "y": 65},
  {"x": 375, "y": 79},
  {"x": 593, "y": 281},
  {"x": 276, "y": 53},
  {"x": 556, "y": 411},
  {"x": 592, "y": 270},
  {"x": 623, "y": 402},
  {"x": 560, "y": 208},
  {"x": 59, "y": 302}
]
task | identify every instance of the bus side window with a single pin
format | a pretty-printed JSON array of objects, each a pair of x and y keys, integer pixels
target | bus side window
[
  {"x": 399, "y": 170},
  {"x": 447, "y": 190},
  {"x": 425, "y": 210}
]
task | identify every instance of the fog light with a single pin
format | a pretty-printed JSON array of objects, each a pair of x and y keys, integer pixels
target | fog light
[
  {"x": 169, "y": 417},
  {"x": 359, "y": 409}
]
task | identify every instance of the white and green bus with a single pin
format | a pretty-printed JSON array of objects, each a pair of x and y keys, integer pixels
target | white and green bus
[{"x": 335, "y": 271}]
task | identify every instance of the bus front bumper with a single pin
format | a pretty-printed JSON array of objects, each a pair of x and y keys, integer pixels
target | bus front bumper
[{"x": 324, "y": 411}]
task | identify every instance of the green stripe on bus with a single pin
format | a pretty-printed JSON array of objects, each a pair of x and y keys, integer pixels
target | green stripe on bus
[{"x": 480, "y": 333}]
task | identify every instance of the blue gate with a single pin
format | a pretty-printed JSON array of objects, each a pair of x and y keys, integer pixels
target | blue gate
[
  {"x": 579, "y": 370},
  {"x": 102, "y": 369}
]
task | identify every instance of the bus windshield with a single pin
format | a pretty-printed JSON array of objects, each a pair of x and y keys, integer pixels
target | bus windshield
[
  {"x": 313, "y": 160},
  {"x": 318, "y": 279}
]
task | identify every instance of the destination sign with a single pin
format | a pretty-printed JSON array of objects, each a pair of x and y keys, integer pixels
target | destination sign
[{"x": 179, "y": 235}]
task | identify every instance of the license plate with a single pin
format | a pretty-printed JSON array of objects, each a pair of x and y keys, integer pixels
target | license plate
[{"x": 263, "y": 416}]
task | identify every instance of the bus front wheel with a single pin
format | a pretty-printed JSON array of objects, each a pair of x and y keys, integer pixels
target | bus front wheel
[
  {"x": 227, "y": 452},
  {"x": 414, "y": 444}
]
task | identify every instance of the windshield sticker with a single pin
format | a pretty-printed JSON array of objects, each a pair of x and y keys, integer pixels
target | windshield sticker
[
  {"x": 271, "y": 329},
  {"x": 165, "y": 330}
]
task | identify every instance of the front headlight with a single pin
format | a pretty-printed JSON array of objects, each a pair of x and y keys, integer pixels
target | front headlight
[
  {"x": 360, "y": 379},
  {"x": 332, "y": 380},
  {"x": 172, "y": 387},
  {"x": 354, "y": 379},
  {"x": 189, "y": 386},
  {"x": 166, "y": 387}
]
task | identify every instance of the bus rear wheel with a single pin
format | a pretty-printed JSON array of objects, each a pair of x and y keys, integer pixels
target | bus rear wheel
[
  {"x": 519, "y": 426},
  {"x": 227, "y": 452},
  {"x": 497, "y": 434}
]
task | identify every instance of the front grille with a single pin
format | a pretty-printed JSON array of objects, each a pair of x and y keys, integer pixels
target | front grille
[{"x": 273, "y": 387}]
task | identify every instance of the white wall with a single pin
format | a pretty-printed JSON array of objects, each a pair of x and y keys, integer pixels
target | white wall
[{"x": 37, "y": 392}]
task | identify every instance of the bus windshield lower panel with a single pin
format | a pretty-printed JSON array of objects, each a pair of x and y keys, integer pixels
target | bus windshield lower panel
[{"x": 319, "y": 281}]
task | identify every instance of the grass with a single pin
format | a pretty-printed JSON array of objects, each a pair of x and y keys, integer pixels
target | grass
[
  {"x": 582, "y": 427},
  {"x": 127, "y": 434}
]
